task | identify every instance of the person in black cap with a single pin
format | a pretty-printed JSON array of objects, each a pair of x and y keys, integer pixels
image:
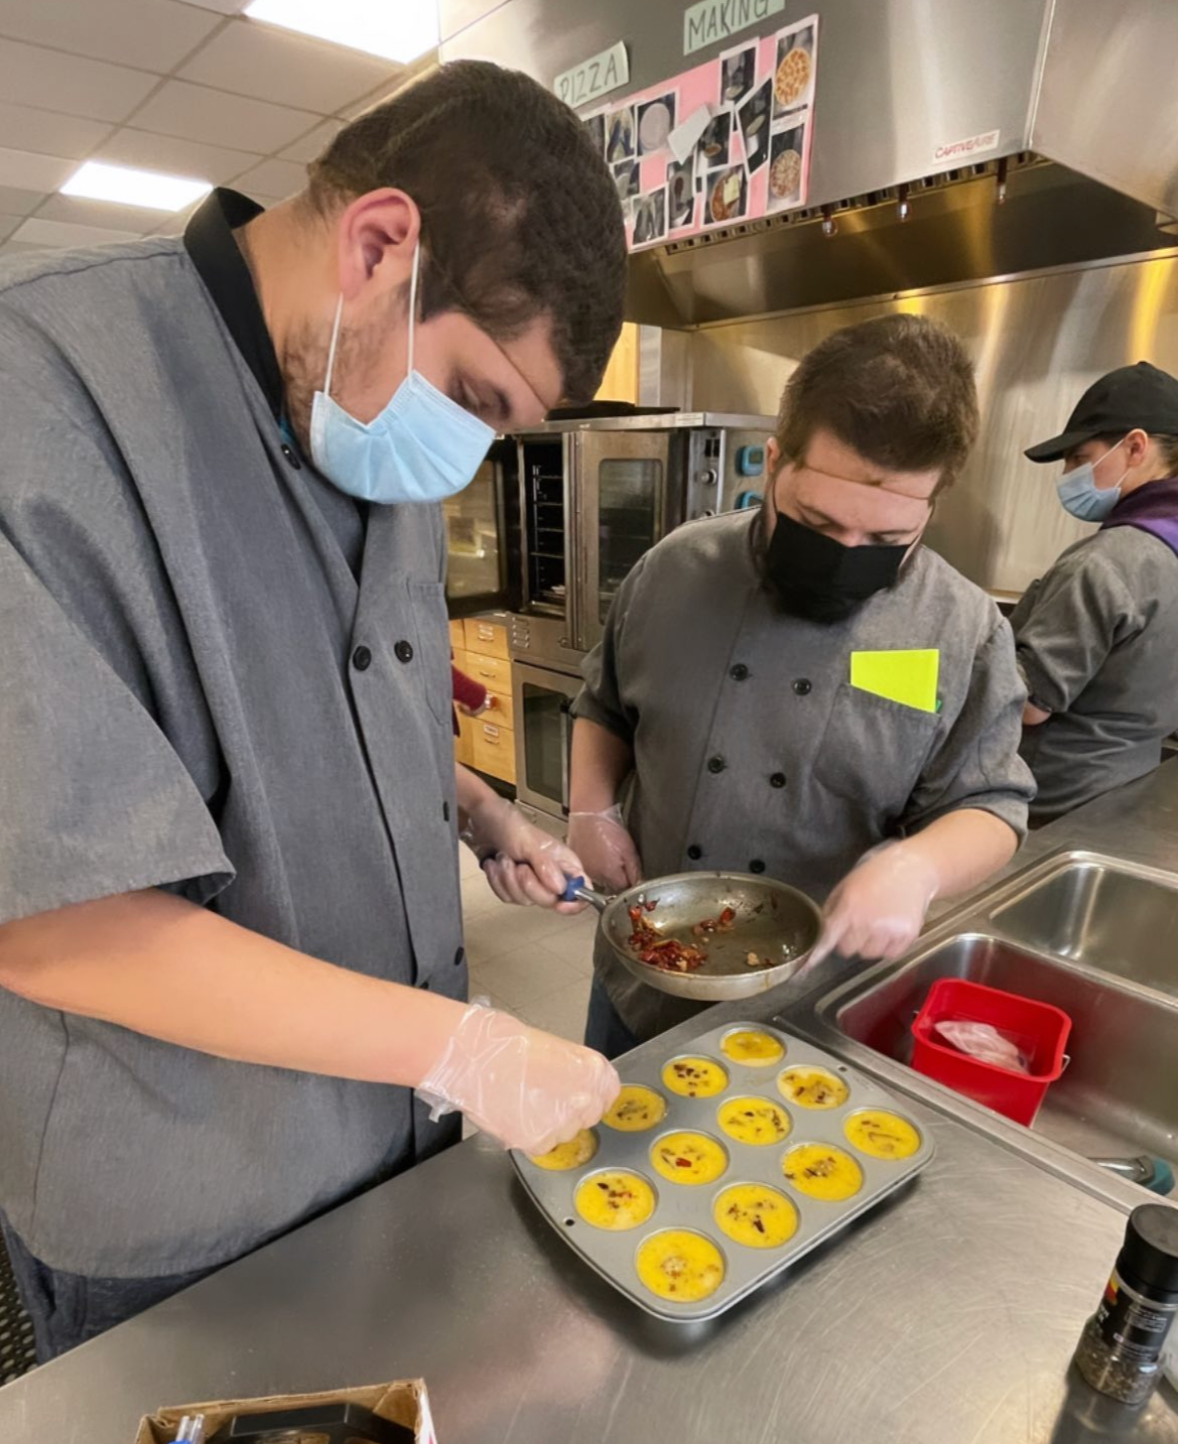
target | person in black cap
[{"x": 1096, "y": 636}]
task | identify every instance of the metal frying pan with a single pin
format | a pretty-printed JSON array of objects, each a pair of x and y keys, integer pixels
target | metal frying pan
[{"x": 772, "y": 920}]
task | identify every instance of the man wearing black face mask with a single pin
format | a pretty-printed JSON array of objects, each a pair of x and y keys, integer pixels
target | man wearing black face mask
[{"x": 806, "y": 691}]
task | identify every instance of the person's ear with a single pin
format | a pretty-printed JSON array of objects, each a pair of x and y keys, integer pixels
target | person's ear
[
  {"x": 1137, "y": 445},
  {"x": 375, "y": 241}
]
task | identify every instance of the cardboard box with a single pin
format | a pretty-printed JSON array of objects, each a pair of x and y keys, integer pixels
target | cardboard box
[{"x": 404, "y": 1402}]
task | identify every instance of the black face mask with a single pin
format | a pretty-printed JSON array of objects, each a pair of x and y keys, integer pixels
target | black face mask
[{"x": 817, "y": 578}]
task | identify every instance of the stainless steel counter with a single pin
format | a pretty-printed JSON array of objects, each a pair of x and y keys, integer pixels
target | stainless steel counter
[{"x": 948, "y": 1315}]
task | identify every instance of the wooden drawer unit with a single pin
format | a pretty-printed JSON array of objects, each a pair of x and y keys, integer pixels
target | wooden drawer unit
[
  {"x": 502, "y": 711},
  {"x": 488, "y": 638},
  {"x": 495, "y": 674},
  {"x": 495, "y": 750},
  {"x": 458, "y": 635},
  {"x": 464, "y": 743}
]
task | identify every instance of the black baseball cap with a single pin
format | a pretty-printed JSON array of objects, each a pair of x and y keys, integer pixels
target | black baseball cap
[{"x": 1131, "y": 398}]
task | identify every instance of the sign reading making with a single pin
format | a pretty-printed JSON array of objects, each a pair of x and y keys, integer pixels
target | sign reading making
[
  {"x": 714, "y": 20},
  {"x": 593, "y": 77}
]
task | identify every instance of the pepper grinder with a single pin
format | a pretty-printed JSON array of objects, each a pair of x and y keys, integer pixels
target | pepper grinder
[{"x": 1121, "y": 1346}]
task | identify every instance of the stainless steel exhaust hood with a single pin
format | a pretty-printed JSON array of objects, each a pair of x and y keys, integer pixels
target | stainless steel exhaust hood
[{"x": 1082, "y": 93}]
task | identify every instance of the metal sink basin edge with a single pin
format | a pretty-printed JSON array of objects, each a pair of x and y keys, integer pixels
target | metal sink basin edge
[
  {"x": 1118, "y": 917},
  {"x": 1038, "y": 933}
]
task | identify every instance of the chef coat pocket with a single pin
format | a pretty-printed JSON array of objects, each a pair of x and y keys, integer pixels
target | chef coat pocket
[
  {"x": 874, "y": 749},
  {"x": 433, "y": 645}
]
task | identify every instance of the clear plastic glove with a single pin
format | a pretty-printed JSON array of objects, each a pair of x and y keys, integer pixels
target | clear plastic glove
[
  {"x": 879, "y": 908},
  {"x": 526, "y": 1088},
  {"x": 523, "y": 863},
  {"x": 606, "y": 848}
]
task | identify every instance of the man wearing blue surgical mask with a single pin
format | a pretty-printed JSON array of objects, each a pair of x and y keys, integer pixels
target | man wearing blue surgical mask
[
  {"x": 1096, "y": 635},
  {"x": 230, "y": 936}
]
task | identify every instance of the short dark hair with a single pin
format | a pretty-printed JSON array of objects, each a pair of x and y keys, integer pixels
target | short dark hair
[
  {"x": 899, "y": 390},
  {"x": 520, "y": 216}
]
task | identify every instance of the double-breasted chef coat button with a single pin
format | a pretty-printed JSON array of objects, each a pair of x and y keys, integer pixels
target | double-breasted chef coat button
[
  {"x": 757, "y": 865},
  {"x": 739, "y": 672},
  {"x": 777, "y": 779},
  {"x": 403, "y": 652},
  {"x": 695, "y": 853},
  {"x": 362, "y": 659},
  {"x": 460, "y": 957},
  {"x": 292, "y": 456},
  {"x": 802, "y": 686},
  {"x": 716, "y": 764}
]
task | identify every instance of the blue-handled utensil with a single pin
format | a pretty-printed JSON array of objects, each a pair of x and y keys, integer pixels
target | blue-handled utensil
[{"x": 578, "y": 890}]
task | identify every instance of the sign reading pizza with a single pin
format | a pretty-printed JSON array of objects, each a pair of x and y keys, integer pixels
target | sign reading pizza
[{"x": 727, "y": 141}]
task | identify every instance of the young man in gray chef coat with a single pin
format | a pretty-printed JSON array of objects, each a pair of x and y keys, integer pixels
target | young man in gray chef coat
[
  {"x": 229, "y": 904},
  {"x": 805, "y": 690},
  {"x": 1095, "y": 637}
]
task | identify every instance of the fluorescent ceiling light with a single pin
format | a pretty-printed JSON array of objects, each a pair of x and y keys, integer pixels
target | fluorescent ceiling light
[
  {"x": 398, "y": 30},
  {"x": 128, "y": 186}
]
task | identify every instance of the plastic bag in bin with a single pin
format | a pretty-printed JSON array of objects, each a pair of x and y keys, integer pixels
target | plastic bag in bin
[{"x": 982, "y": 1041}]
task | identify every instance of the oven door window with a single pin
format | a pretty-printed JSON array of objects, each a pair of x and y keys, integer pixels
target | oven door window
[
  {"x": 629, "y": 493},
  {"x": 472, "y": 537},
  {"x": 546, "y": 741}
]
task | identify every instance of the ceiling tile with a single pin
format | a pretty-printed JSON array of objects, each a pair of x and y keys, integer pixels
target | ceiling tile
[
  {"x": 271, "y": 64},
  {"x": 398, "y": 80},
  {"x": 217, "y": 118},
  {"x": 18, "y": 248},
  {"x": 222, "y": 7},
  {"x": 19, "y": 202},
  {"x": 49, "y": 133},
  {"x": 30, "y": 75},
  {"x": 8, "y": 224},
  {"x": 176, "y": 156},
  {"x": 27, "y": 171},
  {"x": 273, "y": 178},
  {"x": 308, "y": 146},
  {"x": 358, "y": 107},
  {"x": 35, "y": 231},
  {"x": 174, "y": 225},
  {"x": 80, "y": 211},
  {"x": 152, "y": 34}
]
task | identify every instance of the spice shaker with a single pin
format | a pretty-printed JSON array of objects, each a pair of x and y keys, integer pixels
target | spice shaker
[{"x": 1122, "y": 1344}]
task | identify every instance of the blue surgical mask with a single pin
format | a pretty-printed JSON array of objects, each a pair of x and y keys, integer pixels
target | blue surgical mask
[
  {"x": 1080, "y": 495},
  {"x": 422, "y": 447}
]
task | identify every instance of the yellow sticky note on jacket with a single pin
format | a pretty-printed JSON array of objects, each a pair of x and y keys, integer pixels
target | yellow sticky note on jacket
[{"x": 907, "y": 677}]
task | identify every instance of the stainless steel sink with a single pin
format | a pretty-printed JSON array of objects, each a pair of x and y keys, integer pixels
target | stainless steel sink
[
  {"x": 1117, "y": 1096},
  {"x": 1114, "y": 916}
]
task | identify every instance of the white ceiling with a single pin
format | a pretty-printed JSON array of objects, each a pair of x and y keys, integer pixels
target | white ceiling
[{"x": 169, "y": 86}]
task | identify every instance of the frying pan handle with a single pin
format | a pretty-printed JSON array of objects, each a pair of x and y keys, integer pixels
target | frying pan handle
[{"x": 577, "y": 891}]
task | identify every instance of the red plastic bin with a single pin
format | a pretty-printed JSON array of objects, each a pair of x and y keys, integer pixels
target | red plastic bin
[{"x": 1038, "y": 1030}]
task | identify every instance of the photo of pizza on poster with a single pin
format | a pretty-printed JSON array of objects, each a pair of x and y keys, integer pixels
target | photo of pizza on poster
[{"x": 726, "y": 141}]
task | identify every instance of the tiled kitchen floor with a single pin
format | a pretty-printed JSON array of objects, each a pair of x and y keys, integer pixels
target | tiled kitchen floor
[{"x": 532, "y": 962}]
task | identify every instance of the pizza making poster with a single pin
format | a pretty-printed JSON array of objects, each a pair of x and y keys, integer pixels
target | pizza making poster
[{"x": 727, "y": 141}]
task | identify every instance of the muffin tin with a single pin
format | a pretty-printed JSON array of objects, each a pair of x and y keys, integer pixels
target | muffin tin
[{"x": 689, "y": 1207}]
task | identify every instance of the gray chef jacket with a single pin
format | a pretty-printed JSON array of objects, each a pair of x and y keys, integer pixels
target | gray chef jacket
[
  {"x": 753, "y": 752},
  {"x": 198, "y": 693},
  {"x": 1095, "y": 639}
]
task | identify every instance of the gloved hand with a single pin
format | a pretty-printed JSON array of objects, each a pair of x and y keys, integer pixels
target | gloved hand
[
  {"x": 524, "y": 865},
  {"x": 602, "y": 842},
  {"x": 879, "y": 908},
  {"x": 527, "y": 1088}
]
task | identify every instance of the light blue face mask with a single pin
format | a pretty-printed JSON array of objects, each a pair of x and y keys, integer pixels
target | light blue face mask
[
  {"x": 1080, "y": 495},
  {"x": 422, "y": 447}
]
